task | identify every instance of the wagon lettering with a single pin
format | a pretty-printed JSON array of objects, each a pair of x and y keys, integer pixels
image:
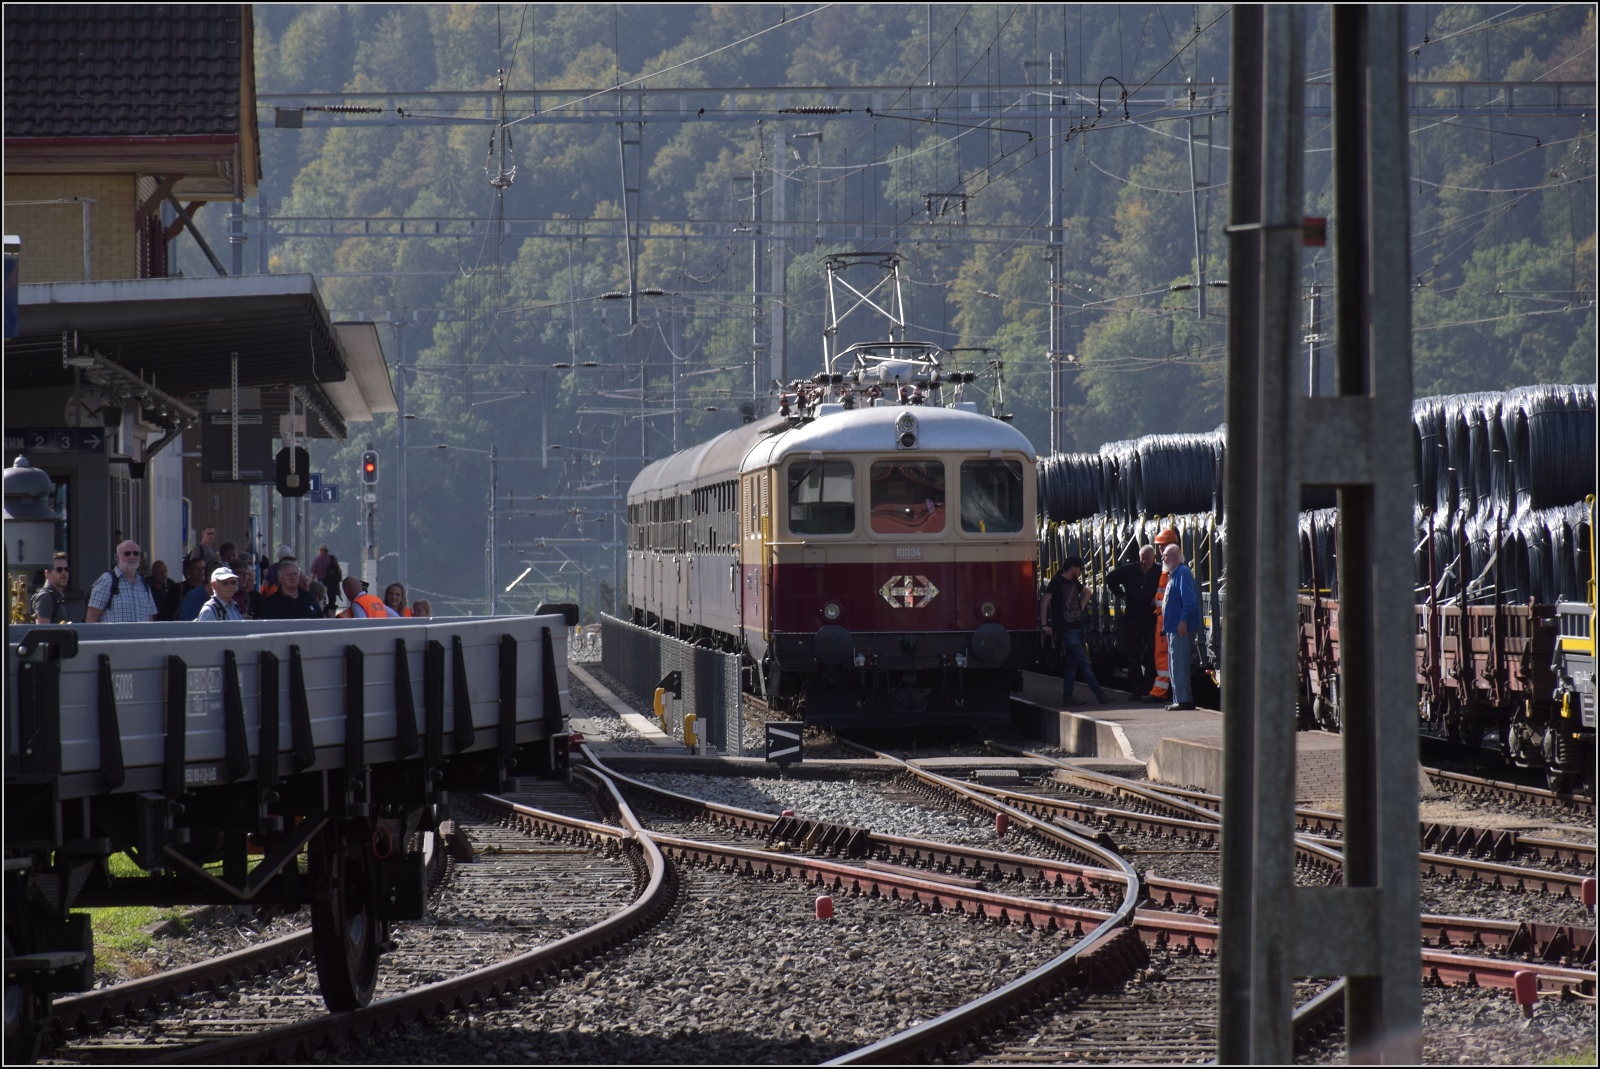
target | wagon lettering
[
  {"x": 907, "y": 552},
  {"x": 122, "y": 686}
]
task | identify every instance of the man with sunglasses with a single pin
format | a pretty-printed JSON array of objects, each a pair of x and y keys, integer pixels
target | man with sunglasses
[
  {"x": 121, "y": 595},
  {"x": 220, "y": 606},
  {"x": 49, "y": 604}
]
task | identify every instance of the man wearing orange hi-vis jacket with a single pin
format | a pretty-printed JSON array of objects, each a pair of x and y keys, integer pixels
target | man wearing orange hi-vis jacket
[{"x": 1162, "y": 689}]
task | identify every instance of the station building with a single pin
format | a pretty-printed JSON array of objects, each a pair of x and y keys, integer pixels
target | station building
[{"x": 156, "y": 403}]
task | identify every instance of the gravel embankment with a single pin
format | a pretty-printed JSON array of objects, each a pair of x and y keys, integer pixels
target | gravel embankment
[
  {"x": 1481, "y": 1026},
  {"x": 739, "y": 972},
  {"x": 862, "y": 806}
]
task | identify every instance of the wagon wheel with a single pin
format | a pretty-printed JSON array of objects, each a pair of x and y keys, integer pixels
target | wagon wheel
[
  {"x": 346, "y": 934},
  {"x": 26, "y": 1009}
]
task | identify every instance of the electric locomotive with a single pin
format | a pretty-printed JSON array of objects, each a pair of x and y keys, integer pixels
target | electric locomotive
[{"x": 868, "y": 550}]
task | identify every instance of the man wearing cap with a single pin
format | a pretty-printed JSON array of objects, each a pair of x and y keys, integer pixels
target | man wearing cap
[
  {"x": 364, "y": 606},
  {"x": 220, "y": 606}
]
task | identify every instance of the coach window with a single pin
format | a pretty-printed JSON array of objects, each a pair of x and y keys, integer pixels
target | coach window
[
  {"x": 822, "y": 497},
  {"x": 907, "y": 497},
  {"x": 991, "y": 496}
]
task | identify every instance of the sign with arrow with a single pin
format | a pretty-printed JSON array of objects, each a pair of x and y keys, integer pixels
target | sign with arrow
[
  {"x": 783, "y": 741},
  {"x": 31, "y": 441}
]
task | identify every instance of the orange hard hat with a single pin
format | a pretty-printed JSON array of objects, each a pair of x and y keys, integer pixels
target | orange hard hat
[{"x": 1169, "y": 537}]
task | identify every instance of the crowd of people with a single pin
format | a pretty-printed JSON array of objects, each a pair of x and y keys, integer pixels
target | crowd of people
[
  {"x": 221, "y": 583},
  {"x": 1159, "y": 622}
]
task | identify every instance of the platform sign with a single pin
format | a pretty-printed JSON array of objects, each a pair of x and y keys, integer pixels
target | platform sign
[
  {"x": 326, "y": 494},
  {"x": 783, "y": 741},
  {"x": 34, "y": 440},
  {"x": 313, "y": 481}
]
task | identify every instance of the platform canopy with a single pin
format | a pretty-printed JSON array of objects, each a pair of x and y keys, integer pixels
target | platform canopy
[{"x": 179, "y": 335}]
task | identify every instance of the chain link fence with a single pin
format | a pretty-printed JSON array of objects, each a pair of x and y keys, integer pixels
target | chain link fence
[{"x": 637, "y": 659}]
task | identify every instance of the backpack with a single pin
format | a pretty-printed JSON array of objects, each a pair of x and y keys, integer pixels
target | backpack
[{"x": 116, "y": 585}]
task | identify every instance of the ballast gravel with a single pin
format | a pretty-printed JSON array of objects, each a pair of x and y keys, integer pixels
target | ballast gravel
[
  {"x": 1484, "y": 1026},
  {"x": 595, "y": 720},
  {"x": 740, "y": 971},
  {"x": 865, "y": 806}
]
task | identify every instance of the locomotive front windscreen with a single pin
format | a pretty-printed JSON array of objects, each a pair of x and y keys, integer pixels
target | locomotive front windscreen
[
  {"x": 822, "y": 497},
  {"x": 907, "y": 497},
  {"x": 991, "y": 496}
]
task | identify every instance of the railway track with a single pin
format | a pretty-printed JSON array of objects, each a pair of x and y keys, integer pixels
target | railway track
[
  {"x": 1499, "y": 790},
  {"x": 1169, "y": 960},
  {"x": 484, "y": 940},
  {"x": 1173, "y": 936}
]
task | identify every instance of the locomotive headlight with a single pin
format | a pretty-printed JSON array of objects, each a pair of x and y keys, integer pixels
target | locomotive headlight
[
  {"x": 987, "y": 610},
  {"x": 830, "y": 611}
]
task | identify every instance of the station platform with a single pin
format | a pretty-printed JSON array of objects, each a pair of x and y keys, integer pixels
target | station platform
[{"x": 1178, "y": 748}]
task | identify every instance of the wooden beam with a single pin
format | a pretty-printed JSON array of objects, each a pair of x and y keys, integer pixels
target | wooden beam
[
  {"x": 176, "y": 227},
  {"x": 163, "y": 187}
]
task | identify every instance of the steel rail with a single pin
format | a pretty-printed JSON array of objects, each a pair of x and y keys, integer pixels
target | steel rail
[
  {"x": 919, "y": 854},
  {"x": 1322, "y": 852},
  {"x": 130, "y": 997},
  {"x": 1513, "y": 791},
  {"x": 950, "y": 1031},
  {"x": 1503, "y": 844},
  {"x": 490, "y": 982}
]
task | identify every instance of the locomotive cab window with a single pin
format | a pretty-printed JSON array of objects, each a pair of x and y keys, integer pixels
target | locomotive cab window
[
  {"x": 907, "y": 497},
  {"x": 822, "y": 497},
  {"x": 991, "y": 496}
]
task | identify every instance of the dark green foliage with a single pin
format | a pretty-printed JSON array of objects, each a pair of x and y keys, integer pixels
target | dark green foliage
[{"x": 1504, "y": 279}]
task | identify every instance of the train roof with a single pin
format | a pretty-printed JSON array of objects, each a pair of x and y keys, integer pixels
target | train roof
[
  {"x": 860, "y": 430},
  {"x": 701, "y": 463},
  {"x": 874, "y": 430}
]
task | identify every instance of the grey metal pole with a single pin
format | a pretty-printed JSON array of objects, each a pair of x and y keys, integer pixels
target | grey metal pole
[
  {"x": 1383, "y": 1000},
  {"x": 778, "y": 347},
  {"x": 236, "y": 236},
  {"x": 402, "y": 514},
  {"x": 494, "y": 533},
  {"x": 1314, "y": 342},
  {"x": 264, "y": 257},
  {"x": 1277, "y": 554},
  {"x": 1194, "y": 211},
  {"x": 1058, "y": 393},
  {"x": 757, "y": 255},
  {"x": 1239, "y": 640}
]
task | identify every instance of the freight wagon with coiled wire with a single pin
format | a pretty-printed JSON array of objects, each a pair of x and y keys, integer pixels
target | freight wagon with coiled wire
[{"x": 1504, "y": 557}]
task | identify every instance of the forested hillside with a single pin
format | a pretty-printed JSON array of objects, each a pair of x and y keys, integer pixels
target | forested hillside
[{"x": 1503, "y": 209}]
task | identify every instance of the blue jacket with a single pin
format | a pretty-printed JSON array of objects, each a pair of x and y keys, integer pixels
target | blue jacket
[{"x": 1183, "y": 602}]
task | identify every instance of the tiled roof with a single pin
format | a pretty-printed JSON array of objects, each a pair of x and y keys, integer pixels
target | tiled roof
[{"x": 122, "y": 70}]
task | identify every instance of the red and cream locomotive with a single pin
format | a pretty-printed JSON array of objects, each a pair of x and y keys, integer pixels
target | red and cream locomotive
[{"x": 869, "y": 551}]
